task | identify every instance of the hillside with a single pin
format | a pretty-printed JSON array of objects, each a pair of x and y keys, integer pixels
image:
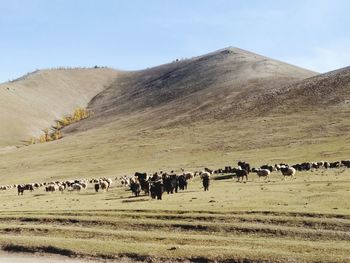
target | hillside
[
  {"x": 214, "y": 86},
  {"x": 33, "y": 102},
  {"x": 209, "y": 110},
  {"x": 322, "y": 92},
  {"x": 206, "y": 111}
]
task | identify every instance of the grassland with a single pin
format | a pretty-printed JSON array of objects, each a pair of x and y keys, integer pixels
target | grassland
[
  {"x": 113, "y": 151},
  {"x": 304, "y": 220},
  {"x": 208, "y": 111}
]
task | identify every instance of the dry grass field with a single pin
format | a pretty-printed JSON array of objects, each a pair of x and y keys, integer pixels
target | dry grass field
[
  {"x": 208, "y": 111},
  {"x": 303, "y": 220}
]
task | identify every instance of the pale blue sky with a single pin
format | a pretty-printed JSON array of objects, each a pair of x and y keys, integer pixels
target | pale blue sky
[{"x": 135, "y": 34}]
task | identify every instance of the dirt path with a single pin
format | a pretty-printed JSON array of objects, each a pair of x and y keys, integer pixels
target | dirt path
[
  {"x": 22, "y": 258},
  {"x": 41, "y": 258}
]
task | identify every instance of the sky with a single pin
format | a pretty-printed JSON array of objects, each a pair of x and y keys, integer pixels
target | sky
[{"x": 136, "y": 34}]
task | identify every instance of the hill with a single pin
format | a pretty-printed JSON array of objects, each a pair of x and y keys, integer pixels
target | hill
[
  {"x": 33, "y": 102},
  {"x": 187, "y": 113},
  {"x": 206, "y": 111},
  {"x": 213, "y": 86}
]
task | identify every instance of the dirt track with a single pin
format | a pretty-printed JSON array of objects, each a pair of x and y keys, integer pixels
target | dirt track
[
  {"x": 21, "y": 258},
  {"x": 29, "y": 258}
]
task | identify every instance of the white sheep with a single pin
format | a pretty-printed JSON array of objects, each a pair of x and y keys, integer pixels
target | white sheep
[
  {"x": 288, "y": 171},
  {"x": 77, "y": 187}
]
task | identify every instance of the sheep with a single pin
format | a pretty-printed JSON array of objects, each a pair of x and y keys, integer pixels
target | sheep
[
  {"x": 135, "y": 186},
  {"x": 244, "y": 166},
  {"x": 97, "y": 187},
  {"x": 77, "y": 187},
  {"x": 69, "y": 183},
  {"x": 20, "y": 189},
  {"x": 51, "y": 188},
  {"x": 124, "y": 180},
  {"x": 109, "y": 181},
  {"x": 61, "y": 187},
  {"x": 326, "y": 165},
  {"x": 241, "y": 174},
  {"x": 6, "y": 187},
  {"x": 345, "y": 163},
  {"x": 263, "y": 173},
  {"x": 23, "y": 187},
  {"x": 104, "y": 185},
  {"x": 188, "y": 175},
  {"x": 205, "y": 176},
  {"x": 288, "y": 171}
]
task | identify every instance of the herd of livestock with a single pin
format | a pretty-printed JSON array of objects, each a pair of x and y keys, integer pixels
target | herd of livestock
[
  {"x": 155, "y": 184},
  {"x": 61, "y": 186}
]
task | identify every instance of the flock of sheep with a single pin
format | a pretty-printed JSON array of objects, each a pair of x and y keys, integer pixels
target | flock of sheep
[
  {"x": 287, "y": 170},
  {"x": 61, "y": 186},
  {"x": 155, "y": 184}
]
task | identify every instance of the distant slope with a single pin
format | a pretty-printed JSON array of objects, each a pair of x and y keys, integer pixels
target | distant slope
[{"x": 34, "y": 102}]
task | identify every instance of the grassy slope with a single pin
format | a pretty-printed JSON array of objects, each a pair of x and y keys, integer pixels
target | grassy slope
[
  {"x": 95, "y": 153},
  {"x": 31, "y": 104}
]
